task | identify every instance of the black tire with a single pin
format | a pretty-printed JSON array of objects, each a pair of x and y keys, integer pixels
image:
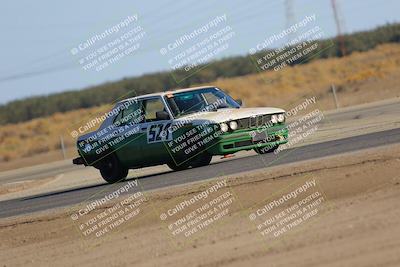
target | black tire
[
  {"x": 111, "y": 170},
  {"x": 173, "y": 166},
  {"x": 201, "y": 160},
  {"x": 265, "y": 150}
]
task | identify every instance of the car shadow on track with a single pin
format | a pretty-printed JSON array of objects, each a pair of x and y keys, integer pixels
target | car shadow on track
[{"x": 104, "y": 186}]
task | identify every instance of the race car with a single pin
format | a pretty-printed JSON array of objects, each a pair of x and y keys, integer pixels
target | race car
[{"x": 183, "y": 128}]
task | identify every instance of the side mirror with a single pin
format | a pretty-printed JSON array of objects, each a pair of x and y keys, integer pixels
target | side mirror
[
  {"x": 239, "y": 101},
  {"x": 162, "y": 115}
]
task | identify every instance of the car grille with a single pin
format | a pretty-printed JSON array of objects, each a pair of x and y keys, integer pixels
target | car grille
[
  {"x": 252, "y": 122},
  {"x": 250, "y": 142},
  {"x": 244, "y": 143}
]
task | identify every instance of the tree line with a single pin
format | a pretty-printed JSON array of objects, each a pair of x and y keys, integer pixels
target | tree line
[{"x": 40, "y": 106}]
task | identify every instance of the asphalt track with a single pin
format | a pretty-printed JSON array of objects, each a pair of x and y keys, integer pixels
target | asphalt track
[{"x": 78, "y": 195}]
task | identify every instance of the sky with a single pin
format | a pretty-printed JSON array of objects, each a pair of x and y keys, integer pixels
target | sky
[{"x": 38, "y": 37}]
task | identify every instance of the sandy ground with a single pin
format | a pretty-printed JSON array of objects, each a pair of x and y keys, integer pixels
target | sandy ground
[{"x": 355, "y": 222}]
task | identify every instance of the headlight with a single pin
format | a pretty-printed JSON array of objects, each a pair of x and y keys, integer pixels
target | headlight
[
  {"x": 281, "y": 117},
  {"x": 274, "y": 118},
  {"x": 233, "y": 125},
  {"x": 224, "y": 127}
]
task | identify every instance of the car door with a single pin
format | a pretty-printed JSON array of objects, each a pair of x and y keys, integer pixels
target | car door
[
  {"x": 131, "y": 133},
  {"x": 157, "y": 134}
]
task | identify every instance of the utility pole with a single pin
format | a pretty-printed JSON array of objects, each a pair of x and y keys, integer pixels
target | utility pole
[
  {"x": 289, "y": 17},
  {"x": 338, "y": 27}
]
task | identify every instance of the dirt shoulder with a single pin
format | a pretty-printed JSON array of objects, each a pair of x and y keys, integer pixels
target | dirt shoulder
[{"x": 348, "y": 217}]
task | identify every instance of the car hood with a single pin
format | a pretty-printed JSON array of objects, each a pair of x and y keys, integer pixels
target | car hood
[{"x": 227, "y": 114}]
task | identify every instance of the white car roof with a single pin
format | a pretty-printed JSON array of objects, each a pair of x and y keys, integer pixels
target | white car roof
[{"x": 168, "y": 92}]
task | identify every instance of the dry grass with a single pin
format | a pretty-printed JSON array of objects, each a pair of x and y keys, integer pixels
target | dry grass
[
  {"x": 350, "y": 74},
  {"x": 43, "y": 134},
  {"x": 360, "y": 78}
]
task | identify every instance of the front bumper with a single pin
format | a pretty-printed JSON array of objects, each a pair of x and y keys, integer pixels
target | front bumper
[{"x": 229, "y": 143}]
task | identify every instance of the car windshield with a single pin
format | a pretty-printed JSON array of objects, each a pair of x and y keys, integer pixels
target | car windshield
[{"x": 201, "y": 100}]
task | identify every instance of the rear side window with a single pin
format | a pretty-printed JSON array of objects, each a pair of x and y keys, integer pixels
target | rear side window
[
  {"x": 117, "y": 120},
  {"x": 132, "y": 114}
]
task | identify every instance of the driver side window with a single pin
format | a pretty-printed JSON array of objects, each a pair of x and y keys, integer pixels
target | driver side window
[{"x": 152, "y": 106}]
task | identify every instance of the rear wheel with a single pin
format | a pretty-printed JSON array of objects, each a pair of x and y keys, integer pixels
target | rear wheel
[
  {"x": 266, "y": 149},
  {"x": 111, "y": 170}
]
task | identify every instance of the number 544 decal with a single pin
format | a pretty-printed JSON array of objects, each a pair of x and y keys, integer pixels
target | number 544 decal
[{"x": 159, "y": 133}]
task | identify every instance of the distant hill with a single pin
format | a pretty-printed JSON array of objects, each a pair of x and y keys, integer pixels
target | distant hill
[
  {"x": 359, "y": 78},
  {"x": 41, "y": 106}
]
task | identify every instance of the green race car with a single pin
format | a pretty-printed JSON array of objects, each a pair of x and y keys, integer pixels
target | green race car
[{"x": 182, "y": 128}]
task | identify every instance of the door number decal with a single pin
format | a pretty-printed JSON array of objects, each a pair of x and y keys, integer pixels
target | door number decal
[{"x": 159, "y": 133}]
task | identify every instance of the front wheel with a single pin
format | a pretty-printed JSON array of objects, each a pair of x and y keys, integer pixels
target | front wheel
[
  {"x": 266, "y": 149},
  {"x": 178, "y": 167},
  {"x": 112, "y": 171},
  {"x": 202, "y": 159}
]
